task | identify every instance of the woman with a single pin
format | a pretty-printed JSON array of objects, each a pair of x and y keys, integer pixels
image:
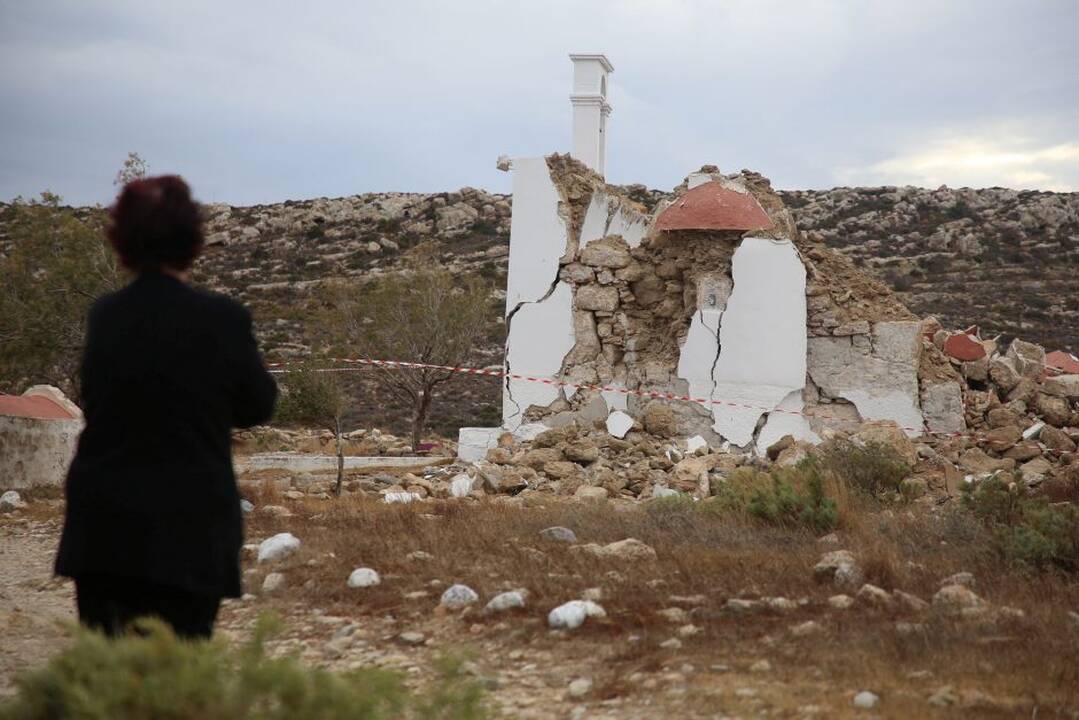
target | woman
[{"x": 153, "y": 523}]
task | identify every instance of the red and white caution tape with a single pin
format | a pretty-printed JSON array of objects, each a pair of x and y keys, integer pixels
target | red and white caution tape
[{"x": 361, "y": 363}]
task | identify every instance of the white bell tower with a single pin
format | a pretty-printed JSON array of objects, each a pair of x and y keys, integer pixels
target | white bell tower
[{"x": 590, "y": 109}]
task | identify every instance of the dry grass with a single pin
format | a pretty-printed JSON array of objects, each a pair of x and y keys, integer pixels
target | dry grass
[{"x": 496, "y": 546}]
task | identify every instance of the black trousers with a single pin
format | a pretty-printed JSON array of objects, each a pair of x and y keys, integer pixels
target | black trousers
[{"x": 109, "y": 603}]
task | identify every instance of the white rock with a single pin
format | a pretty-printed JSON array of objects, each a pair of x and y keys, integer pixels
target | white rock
[
  {"x": 619, "y": 423},
  {"x": 246, "y": 506},
  {"x": 474, "y": 442},
  {"x": 505, "y": 601},
  {"x": 461, "y": 485},
  {"x": 458, "y": 596},
  {"x": 11, "y": 500},
  {"x": 865, "y": 700},
  {"x": 401, "y": 497},
  {"x": 272, "y": 583},
  {"x": 559, "y": 534},
  {"x": 278, "y": 547},
  {"x": 695, "y": 443},
  {"x": 661, "y": 491},
  {"x": 572, "y": 615},
  {"x": 1033, "y": 431},
  {"x": 580, "y": 687},
  {"x": 363, "y": 578},
  {"x": 412, "y": 638},
  {"x": 841, "y": 602}
]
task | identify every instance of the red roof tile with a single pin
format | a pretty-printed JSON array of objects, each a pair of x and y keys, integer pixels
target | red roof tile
[
  {"x": 962, "y": 346},
  {"x": 711, "y": 206},
  {"x": 1066, "y": 363},
  {"x": 33, "y": 406}
]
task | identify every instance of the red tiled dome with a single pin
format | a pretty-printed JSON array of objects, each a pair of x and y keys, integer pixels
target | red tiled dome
[
  {"x": 711, "y": 206},
  {"x": 33, "y": 406}
]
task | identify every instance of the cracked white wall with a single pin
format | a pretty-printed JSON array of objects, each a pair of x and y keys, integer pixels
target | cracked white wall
[
  {"x": 540, "y": 337},
  {"x": 537, "y": 233},
  {"x": 750, "y": 350},
  {"x": 609, "y": 216},
  {"x": 878, "y": 373},
  {"x": 539, "y": 310},
  {"x": 762, "y": 356}
]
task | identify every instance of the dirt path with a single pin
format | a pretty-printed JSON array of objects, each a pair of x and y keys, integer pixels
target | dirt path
[{"x": 33, "y": 604}]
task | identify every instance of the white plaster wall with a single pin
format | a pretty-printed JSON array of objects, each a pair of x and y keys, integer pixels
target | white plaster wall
[
  {"x": 699, "y": 352},
  {"x": 779, "y": 424},
  {"x": 537, "y": 233},
  {"x": 878, "y": 374},
  {"x": 762, "y": 336},
  {"x": 540, "y": 337},
  {"x": 609, "y": 216},
  {"x": 36, "y": 452}
]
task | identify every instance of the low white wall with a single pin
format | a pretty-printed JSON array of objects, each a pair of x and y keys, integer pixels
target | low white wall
[
  {"x": 328, "y": 463},
  {"x": 36, "y": 452}
]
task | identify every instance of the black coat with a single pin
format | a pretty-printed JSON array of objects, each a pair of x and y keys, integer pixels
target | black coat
[{"x": 167, "y": 372}]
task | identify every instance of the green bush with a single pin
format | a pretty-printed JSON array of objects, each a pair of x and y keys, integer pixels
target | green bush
[
  {"x": 155, "y": 676},
  {"x": 1027, "y": 530},
  {"x": 786, "y": 496},
  {"x": 873, "y": 469}
]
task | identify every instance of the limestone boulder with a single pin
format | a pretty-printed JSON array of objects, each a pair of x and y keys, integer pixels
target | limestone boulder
[
  {"x": 1064, "y": 386},
  {"x": 597, "y": 297},
  {"x": 890, "y": 435},
  {"x": 1054, "y": 410},
  {"x": 606, "y": 253},
  {"x": 659, "y": 419},
  {"x": 1028, "y": 358}
]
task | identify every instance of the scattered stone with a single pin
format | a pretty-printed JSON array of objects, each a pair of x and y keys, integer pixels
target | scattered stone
[
  {"x": 838, "y": 567},
  {"x": 559, "y": 534},
  {"x": 505, "y": 601},
  {"x": 278, "y": 547},
  {"x": 419, "y": 556},
  {"x": 571, "y": 615},
  {"x": 841, "y": 602},
  {"x": 671, "y": 644},
  {"x": 591, "y": 493},
  {"x": 412, "y": 638},
  {"x": 956, "y": 599},
  {"x": 761, "y": 666},
  {"x": 628, "y": 550},
  {"x": 875, "y": 597},
  {"x": 964, "y": 578},
  {"x": 11, "y": 500},
  {"x": 272, "y": 583},
  {"x": 458, "y": 596},
  {"x": 246, "y": 506},
  {"x": 673, "y": 615},
  {"x": 865, "y": 700},
  {"x": 742, "y": 606},
  {"x": 809, "y": 627},
  {"x": 580, "y": 687},
  {"x": 363, "y": 578},
  {"x": 943, "y": 697},
  {"x": 277, "y": 511}
]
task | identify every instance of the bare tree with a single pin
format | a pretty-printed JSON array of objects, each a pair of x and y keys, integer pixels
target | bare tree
[
  {"x": 312, "y": 395},
  {"x": 134, "y": 168},
  {"x": 427, "y": 316}
]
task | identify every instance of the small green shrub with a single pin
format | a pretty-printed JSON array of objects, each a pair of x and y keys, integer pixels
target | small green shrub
[
  {"x": 1027, "y": 530},
  {"x": 786, "y": 496},
  {"x": 873, "y": 469},
  {"x": 155, "y": 676}
]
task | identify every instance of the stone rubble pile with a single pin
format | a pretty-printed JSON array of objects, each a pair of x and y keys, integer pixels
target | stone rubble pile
[
  {"x": 361, "y": 442},
  {"x": 1023, "y": 414}
]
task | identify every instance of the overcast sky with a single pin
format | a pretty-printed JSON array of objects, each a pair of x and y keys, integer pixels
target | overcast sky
[{"x": 266, "y": 101}]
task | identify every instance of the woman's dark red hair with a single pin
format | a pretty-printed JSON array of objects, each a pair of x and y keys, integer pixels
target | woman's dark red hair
[{"x": 155, "y": 224}]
